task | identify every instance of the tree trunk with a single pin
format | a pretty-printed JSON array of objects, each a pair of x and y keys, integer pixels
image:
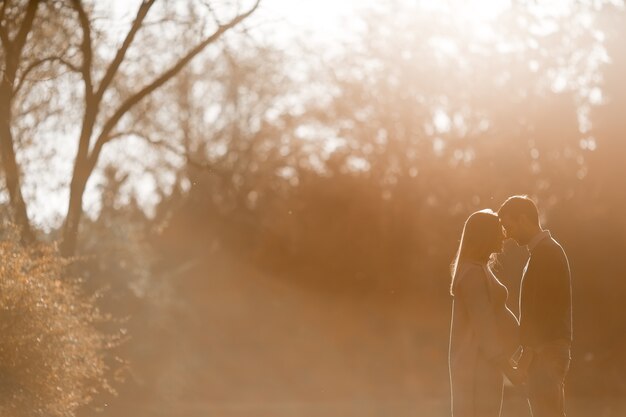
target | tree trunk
[
  {"x": 74, "y": 215},
  {"x": 80, "y": 176},
  {"x": 9, "y": 164}
]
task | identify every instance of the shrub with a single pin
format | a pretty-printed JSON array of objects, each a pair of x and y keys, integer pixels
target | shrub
[{"x": 52, "y": 354}]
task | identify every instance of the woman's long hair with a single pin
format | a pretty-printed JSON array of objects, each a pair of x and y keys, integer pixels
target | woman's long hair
[{"x": 479, "y": 241}]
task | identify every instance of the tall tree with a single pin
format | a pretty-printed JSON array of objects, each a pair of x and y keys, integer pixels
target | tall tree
[
  {"x": 90, "y": 142},
  {"x": 103, "y": 104},
  {"x": 12, "y": 50}
]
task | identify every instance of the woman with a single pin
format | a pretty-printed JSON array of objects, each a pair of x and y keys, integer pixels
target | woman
[{"x": 484, "y": 332}]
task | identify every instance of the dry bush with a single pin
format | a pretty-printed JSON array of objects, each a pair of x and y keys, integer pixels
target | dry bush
[{"x": 52, "y": 354}]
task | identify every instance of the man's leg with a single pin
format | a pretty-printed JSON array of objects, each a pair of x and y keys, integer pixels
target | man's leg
[{"x": 546, "y": 381}]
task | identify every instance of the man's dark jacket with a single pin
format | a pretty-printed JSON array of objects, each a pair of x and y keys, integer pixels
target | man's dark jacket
[{"x": 546, "y": 294}]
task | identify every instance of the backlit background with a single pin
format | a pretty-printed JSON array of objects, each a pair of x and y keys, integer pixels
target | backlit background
[{"x": 272, "y": 227}]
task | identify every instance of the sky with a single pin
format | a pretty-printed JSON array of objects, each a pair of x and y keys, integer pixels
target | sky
[
  {"x": 324, "y": 17},
  {"x": 284, "y": 21},
  {"x": 47, "y": 195}
]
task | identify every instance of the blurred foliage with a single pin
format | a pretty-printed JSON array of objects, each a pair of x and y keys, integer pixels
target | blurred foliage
[
  {"x": 305, "y": 204},
  {"x": 385, "y": 143},
  {"x": 53, "y": 355},
  {"x": 364, "y": 184}
]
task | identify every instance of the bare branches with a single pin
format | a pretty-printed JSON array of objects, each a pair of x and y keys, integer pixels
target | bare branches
[
  {"x": 121, "y": 52},
  {"x": 189, "y": 159},
  {"x": 35, "y": 64},
  {"x": 86, "y": 48},
  {"x": 4, "y": 34},
  {"x": 216, "y": 19},
  {"x": 3, "y": 8},
  {"x": 12, "y": 55},
  {"x": 158, "y": 82},
  {"x": 27, "y": 24},
  {"x": 159, "y": 143},
  {"x": 13, "y": 48},
  {"x": 87, "y": 156}
]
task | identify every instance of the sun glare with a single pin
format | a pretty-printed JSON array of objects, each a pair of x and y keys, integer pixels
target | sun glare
[
  {"x": 332, "y": 17},
  {"x": 473, "y": 11},
  {"x": 339, "y": 19}
]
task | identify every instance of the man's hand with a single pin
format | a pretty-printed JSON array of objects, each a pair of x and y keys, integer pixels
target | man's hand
[{"x": 517, "y": 376}]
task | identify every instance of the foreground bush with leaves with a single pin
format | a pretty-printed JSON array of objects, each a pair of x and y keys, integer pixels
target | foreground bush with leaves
[{"x": 52, "y": 354}]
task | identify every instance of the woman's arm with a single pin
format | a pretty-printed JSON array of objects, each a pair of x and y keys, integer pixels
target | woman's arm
[{"x": 473, "y": 291}]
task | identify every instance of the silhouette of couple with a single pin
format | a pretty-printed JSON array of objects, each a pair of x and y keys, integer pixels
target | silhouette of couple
[{"x": 487, "y": 342}]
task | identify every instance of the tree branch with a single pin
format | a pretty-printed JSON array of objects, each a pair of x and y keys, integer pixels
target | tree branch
[
  {"x": 121, "y": 52},
  {"x": 3, "y": 9},
  {"x": 24, "y": 112},
  {"x": 42, "y": 61},
  {"x": 159, "y": 143},
  {"x": 4, "y": 35},
  {"x": 206, "y": 166},
  {"x": 216, "y": 19},
  {"x": 86, "y": 49},
  {"x": 27, "y": 24},
  {"x": 13, "y": 48},
  {"x": 166, "y": 76}
]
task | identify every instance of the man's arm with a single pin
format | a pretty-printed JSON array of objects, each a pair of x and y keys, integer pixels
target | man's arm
[{"x": 551, "y": 295}]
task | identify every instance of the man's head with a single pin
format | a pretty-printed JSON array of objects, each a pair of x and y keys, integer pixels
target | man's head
[{"x": 520, "y": 219}]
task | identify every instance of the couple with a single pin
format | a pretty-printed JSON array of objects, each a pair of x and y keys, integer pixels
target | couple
[{"x": 485, "y": 335}]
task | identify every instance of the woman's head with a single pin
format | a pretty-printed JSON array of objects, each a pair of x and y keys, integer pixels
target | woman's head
[{"x": 482, "y": 236}]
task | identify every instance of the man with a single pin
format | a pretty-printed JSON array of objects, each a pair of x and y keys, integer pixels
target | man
[{"x": 545, "y": 308}]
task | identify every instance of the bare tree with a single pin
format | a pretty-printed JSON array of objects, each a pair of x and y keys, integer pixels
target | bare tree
[
  {"x": 100, "y": 115},
  {"x": 90, "y": 143},
  {"x": 12, "y": 48}
]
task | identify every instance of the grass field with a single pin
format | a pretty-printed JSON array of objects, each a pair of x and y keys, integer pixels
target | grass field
[{"x": 248, "y": 345}]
